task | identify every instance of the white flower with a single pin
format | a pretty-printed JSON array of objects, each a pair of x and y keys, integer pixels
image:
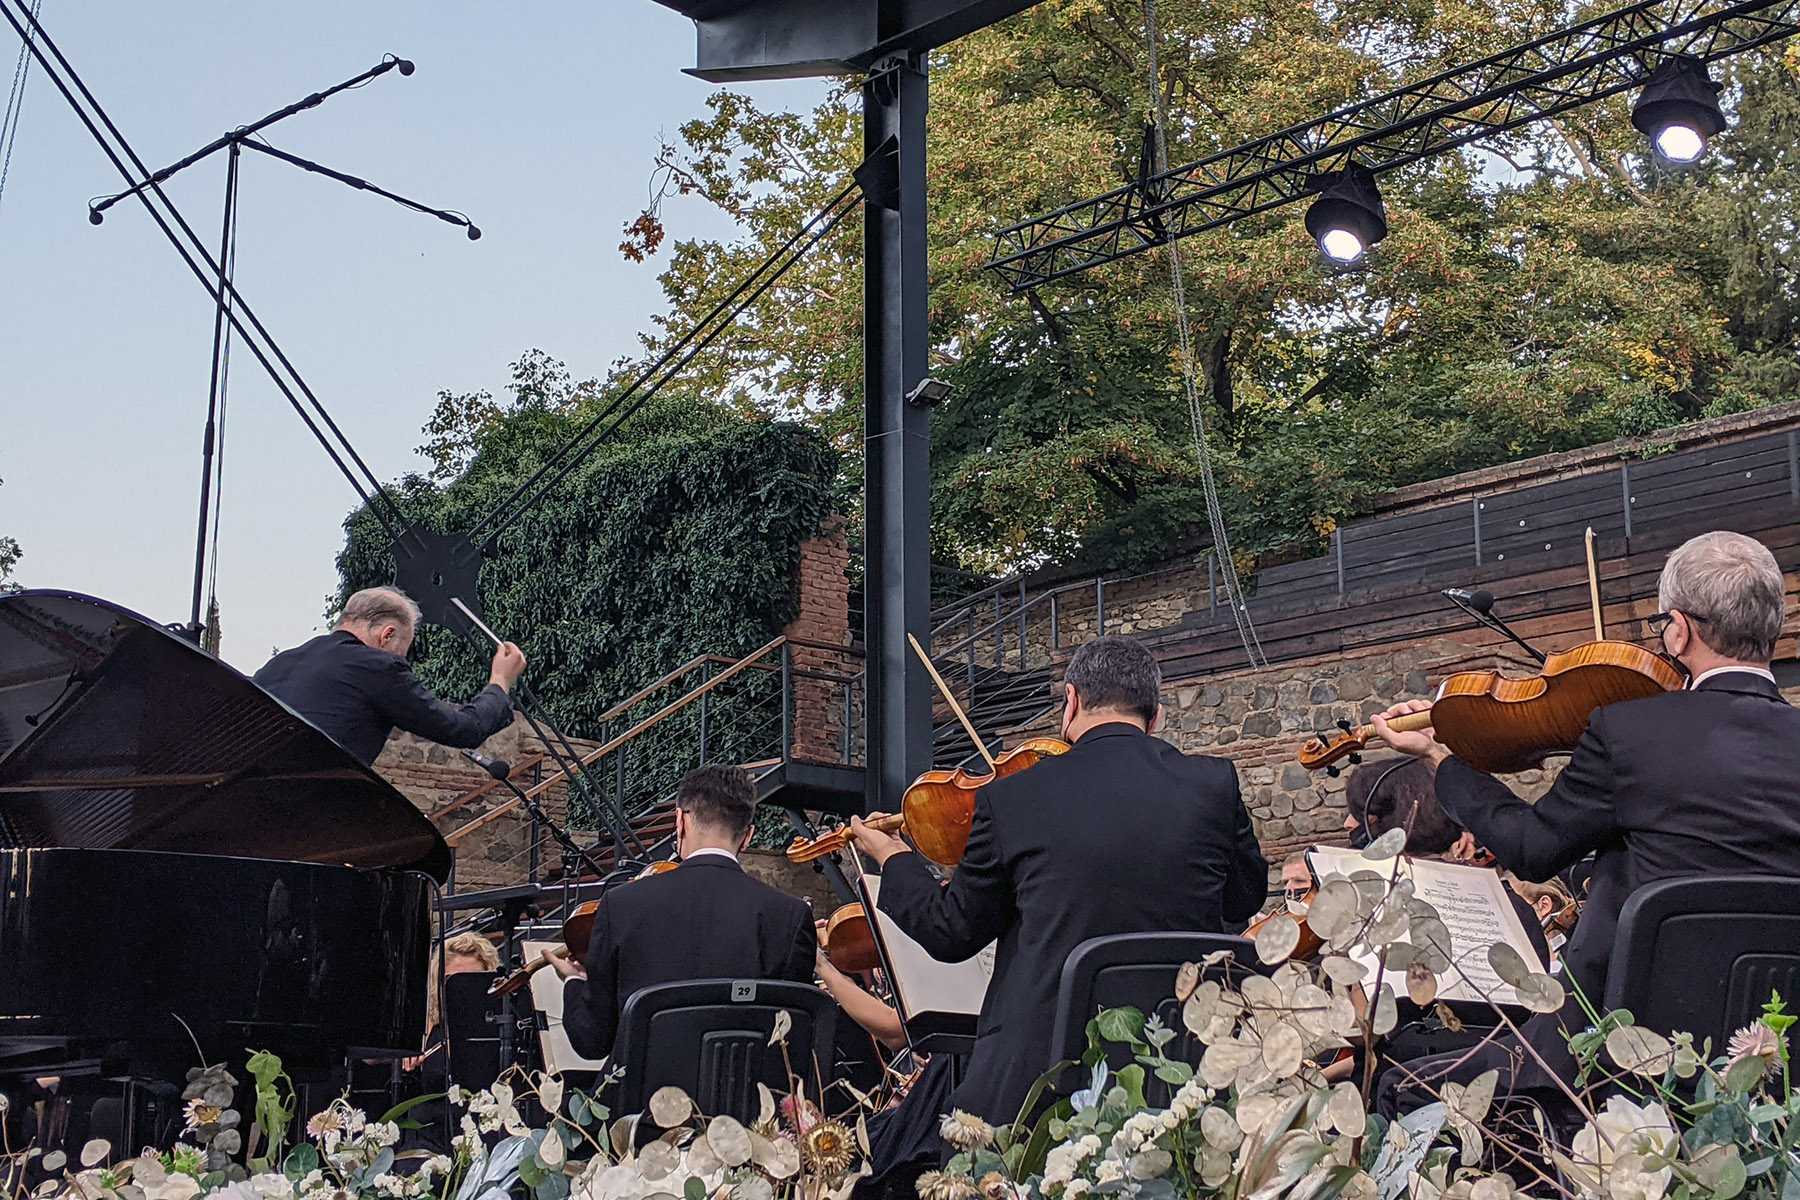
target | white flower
[
  {"x": 1110, "y": 1170},
  {"x": 1623, "y": 1155},
  {"x": 1077, "y": 1188}
]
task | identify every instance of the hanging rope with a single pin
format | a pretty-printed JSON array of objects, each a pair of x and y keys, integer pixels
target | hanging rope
[
  {"x": 210, "y": 638},
  {"x": 15, "y": 106},
  {"x": 1215, "y": 517}
]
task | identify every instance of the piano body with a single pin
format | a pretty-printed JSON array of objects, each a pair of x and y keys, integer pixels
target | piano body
[{"x": 184, "y": 860}]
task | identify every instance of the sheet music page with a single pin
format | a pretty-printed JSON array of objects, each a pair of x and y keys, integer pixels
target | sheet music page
[
  {"x": 1475, "y": 909},
  {"x": 547, "y": 998},
  {"x": 922, "y": 984}
]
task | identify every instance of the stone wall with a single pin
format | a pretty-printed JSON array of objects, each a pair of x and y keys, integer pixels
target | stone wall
[{"x": 1259, "y": 719}]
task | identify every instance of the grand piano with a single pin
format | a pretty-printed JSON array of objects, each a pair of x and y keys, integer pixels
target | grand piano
[{"x": 185, "y": 860}]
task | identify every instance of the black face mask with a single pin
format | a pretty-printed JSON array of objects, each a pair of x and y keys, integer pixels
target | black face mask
[{"x": 1359, "y": 837}]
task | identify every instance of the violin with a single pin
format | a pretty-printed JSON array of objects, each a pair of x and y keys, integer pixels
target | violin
[
  {"x": 1498, "y": 725},
  {"x": 1310, "y": 943},
  {"x": 577, "y": 932},
  {"x": 938, "y": 808},
  {"x": 847, "y": 940}
]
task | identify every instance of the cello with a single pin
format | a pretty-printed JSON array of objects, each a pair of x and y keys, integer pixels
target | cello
[
  {"x": 1499, "y": 724},
  {"x": 937, "y": 809},
  {"x": 577, "y": 932}
]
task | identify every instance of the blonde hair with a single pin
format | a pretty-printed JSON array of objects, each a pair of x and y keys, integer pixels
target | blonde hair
[{"x": 463, "y": 945}]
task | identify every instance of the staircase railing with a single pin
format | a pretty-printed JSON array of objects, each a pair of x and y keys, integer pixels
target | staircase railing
[{"x": 772, "y": 704}]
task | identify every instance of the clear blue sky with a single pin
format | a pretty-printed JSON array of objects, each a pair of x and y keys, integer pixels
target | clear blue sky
[{"x": 538, "y": 119}]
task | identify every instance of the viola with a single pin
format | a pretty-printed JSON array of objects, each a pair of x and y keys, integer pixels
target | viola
[
  {"x": 937, "y": 810},
  {"x": 577, "y": 932},
  {"x": 847, "y": 940},
  {"x": 1499, "y": 724}
]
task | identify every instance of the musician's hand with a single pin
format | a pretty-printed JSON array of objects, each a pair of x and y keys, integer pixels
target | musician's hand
[
  {"x": 568, "y": 966},
  {"x": 1464, "y": 849},
  {"x": 873, "y": 842},
  {"x": 509, "y": 664},
  {"x": 1420, "y": 743}
]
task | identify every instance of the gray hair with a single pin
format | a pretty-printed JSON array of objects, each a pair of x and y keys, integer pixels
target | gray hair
[
  {"x": 1732, "y": 585},
  {"x": 380, "y": 605},
  {"x": 1116, "y": 672}
]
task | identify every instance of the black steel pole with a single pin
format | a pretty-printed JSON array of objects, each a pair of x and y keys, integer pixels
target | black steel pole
[
  {"x": 195, "y": 625},
  {"x": 897, "y": 440}
]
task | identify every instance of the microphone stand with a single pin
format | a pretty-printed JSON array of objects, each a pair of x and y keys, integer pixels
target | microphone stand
[
  {"x": 1485, "y": 617},
  {"x": 235, "y": 142},
  {"x": 571, "y": 848},
  {"x": 570, "y": 765}
]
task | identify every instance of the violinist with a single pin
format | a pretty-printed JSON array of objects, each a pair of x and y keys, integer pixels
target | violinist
[
  {"x": 706, "y": 919},
  {"x": 1692, "y": 782},
  {"x": 1396, "y": 793},
  {"x": 1122, "y": 834}
]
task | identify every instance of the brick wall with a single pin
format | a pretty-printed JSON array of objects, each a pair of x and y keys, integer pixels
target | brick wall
[{"x": 821, "y": 665}]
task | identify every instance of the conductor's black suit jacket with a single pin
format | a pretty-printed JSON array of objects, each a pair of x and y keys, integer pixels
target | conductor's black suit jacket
[
  {"x": 1122, "y": 834},
  {"x": 1702, "y": 782},
  {"x": 706, "y": 919},
  {"x": 358, "y": 694}
]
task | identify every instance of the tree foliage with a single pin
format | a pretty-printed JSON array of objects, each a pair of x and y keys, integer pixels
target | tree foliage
[
  {"x": 1539, "y": 291},
  {"x": 679, "y": 536},
  {"x": 10, "y": 554}
]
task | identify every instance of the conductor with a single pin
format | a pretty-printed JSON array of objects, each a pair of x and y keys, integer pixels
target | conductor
[{"x": 355, "y": 684}]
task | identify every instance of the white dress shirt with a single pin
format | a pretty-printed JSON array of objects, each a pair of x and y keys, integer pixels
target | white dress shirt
[{"x": 1703, "y": 676}]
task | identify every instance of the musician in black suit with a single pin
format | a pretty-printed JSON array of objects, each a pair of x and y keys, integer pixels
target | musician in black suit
[
  {"x": 706, "y": 919},
  {"x": 1122, "y": 834},
  {"x": 1695, "y": 782},
  {"x": 355, "y": 684}
]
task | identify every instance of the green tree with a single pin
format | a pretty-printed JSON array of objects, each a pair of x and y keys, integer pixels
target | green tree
[
  {"x": 1541, "y": 290},
  {"x": 10, "y": 554}
]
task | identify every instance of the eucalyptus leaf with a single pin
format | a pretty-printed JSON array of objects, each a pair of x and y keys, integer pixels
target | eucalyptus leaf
[{"x": 1386, "y": 846}]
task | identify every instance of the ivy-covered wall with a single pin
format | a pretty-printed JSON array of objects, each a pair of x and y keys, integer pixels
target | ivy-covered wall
[{"x": 680, "y": 539}]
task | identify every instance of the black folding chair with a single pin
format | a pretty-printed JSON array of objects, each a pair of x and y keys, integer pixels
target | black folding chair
[
  {"x": 710, "y": 1037},
  {"x": 1135, "y": 970},
  {"x": 1703, "y": 954}
]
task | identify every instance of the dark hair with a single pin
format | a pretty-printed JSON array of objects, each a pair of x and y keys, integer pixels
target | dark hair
[
  {"x": 719, "y": 798},
  {"x": 1116, "y": 672},
  {"x": 1390, "y": 794}
]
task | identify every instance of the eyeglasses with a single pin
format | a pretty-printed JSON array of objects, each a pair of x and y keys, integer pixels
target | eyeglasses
[{"x": 1655, "y": 623}]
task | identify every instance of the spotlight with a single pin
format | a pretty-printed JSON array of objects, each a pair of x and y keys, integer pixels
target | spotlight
[
  {"x": 1678, "y": 110},
  {"x": 928, "y": 393},
  {"x": 1347, "y": 218}
]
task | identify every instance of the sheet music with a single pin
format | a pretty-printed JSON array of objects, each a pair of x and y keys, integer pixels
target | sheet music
[
  {"x": 547, "y": 998},
  {"x": 922, "y": 984},
  {"x": 1475, "y": 909}
]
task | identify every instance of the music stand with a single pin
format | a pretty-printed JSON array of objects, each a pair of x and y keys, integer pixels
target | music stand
[{"x": 928, "y": 1031}]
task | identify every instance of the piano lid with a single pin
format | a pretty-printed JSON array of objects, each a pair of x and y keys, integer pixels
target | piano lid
[{"x": 117, "y": 734}]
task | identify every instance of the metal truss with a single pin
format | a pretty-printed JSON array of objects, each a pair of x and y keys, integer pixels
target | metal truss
[{"x": 1556, "y": 73}]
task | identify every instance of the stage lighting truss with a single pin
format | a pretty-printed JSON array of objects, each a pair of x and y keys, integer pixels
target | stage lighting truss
[{"x": 1561, "y": 71}]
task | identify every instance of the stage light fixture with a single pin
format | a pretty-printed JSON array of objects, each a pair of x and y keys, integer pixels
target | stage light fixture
[
  {"x": 1678, "y": 110},
  {"x": 1347, "y": 218}
]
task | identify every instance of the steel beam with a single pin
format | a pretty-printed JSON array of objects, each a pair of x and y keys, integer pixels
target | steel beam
[
  {"x": 1558, "y": 72},
  {"x": 897, "y": 442}
]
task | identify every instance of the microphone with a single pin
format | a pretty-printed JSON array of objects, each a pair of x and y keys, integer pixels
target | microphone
[
  {"x": 499, "y": 768},
  {"x": 1481, "y": 600}
]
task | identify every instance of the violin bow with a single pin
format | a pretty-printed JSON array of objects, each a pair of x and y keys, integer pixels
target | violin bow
[
  {"x": 1594, "y": 587},
  {"x": 944, "y": 690}
]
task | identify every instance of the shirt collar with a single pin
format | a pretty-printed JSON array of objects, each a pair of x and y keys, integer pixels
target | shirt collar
[
  {"x": 1761, "y": 672},
  {"x": 718, "y": 850}
]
